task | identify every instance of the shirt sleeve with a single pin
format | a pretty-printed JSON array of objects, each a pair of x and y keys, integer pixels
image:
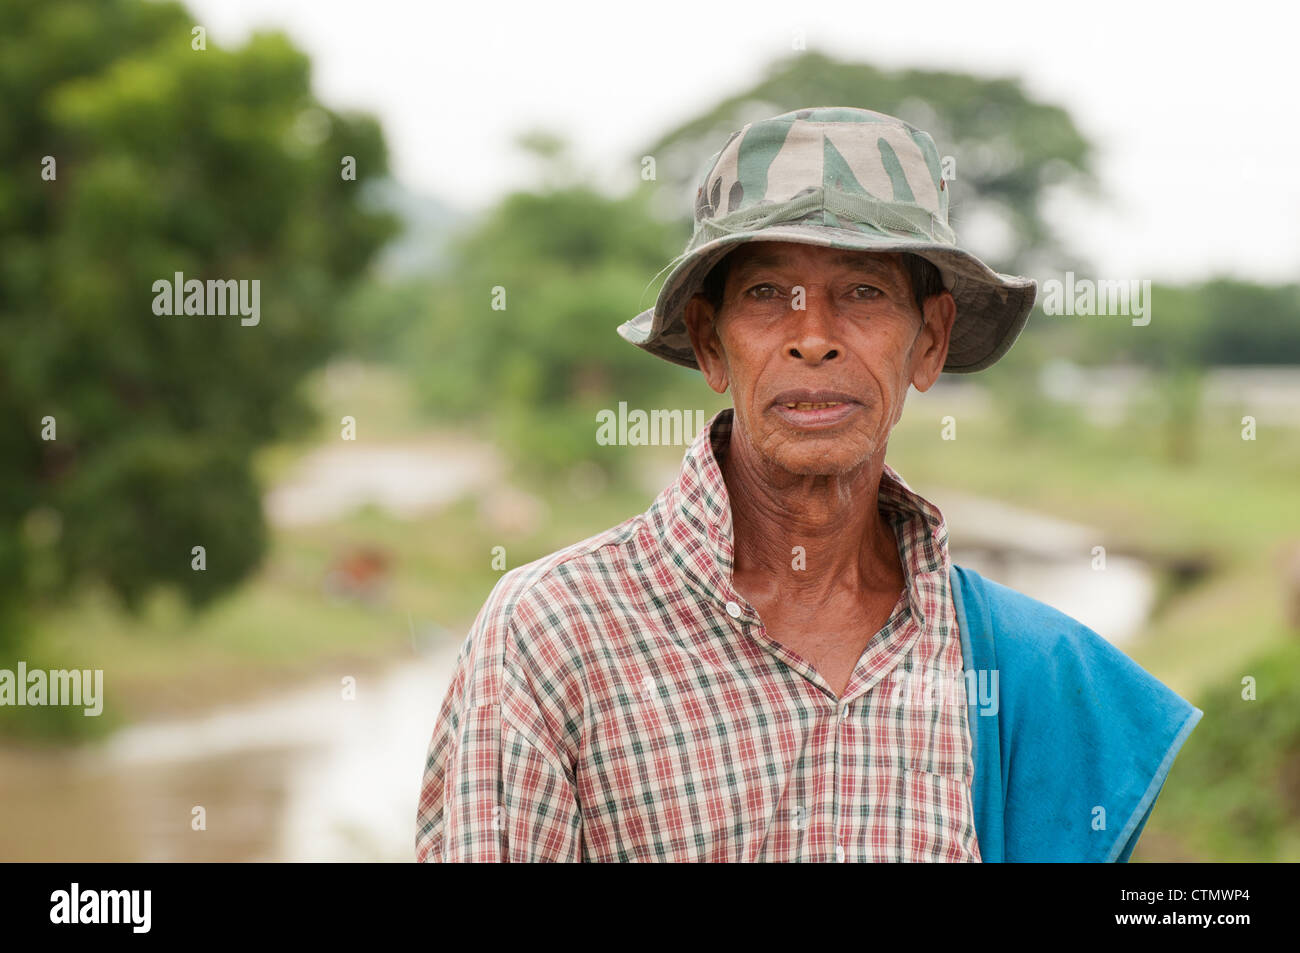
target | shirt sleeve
[{"x": 496, "y": 787}]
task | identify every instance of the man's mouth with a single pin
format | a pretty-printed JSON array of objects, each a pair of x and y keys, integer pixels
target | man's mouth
[
  {"x": 805, "y": 398},
  {"x": 814, "y": 409}
]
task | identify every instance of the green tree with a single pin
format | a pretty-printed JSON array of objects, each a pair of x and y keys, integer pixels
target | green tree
[
  {"x": 540, "y": 356},
  {"x": 217, "y": 163},
  {"x": 1214, "y": 322}
]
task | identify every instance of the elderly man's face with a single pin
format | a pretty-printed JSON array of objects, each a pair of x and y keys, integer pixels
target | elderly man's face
[{"x": 818, "y": 390}]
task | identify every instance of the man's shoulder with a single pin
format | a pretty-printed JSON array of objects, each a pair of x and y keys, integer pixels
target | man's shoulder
[
  {"x": 534, "y": 615},
  {"x": 1019, "y": 622},
  {"x": 559, "y": 586},
  {"x": 1039, "y": 648},
  {"x": 1080, "y": 728}
]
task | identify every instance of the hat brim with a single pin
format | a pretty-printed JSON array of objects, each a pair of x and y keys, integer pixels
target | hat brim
[{"x": 992, "y": 308}]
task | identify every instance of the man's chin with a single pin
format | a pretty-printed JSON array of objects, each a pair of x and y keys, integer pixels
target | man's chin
[
  {"x": 821, "y": 457},
  {"x": 822, "y": 467}
]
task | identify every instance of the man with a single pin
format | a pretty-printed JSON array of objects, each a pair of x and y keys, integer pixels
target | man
[{"x": 759, "y": 667}]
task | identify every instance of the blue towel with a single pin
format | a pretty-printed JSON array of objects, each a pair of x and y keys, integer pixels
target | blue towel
[{"x": 1074, "y": 753}]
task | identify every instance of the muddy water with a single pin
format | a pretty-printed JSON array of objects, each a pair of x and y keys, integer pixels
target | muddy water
[{"x": 306, "y": 776}]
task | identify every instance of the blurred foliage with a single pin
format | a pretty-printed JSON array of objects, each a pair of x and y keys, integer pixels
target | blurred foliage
[
  {"x": 1218, "y": 321},
  {"x": 1008, "y": 149},
  {"x": 381, "y": 312},
  {"x": 1015, "y": 384},
  {"x": 218, "y": 163},
  {"x": 570, "y": 262},
  {"x": 1235, "y": 787}
]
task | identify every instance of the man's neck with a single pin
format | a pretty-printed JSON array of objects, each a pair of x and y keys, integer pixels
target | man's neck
[{"x": 846, "y": 544}]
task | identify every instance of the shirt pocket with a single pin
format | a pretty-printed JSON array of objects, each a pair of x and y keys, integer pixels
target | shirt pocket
[{"x": 937, "y": 820}]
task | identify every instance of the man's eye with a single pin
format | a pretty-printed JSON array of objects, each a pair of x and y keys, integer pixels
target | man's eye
[
  {"x": 757, "y": 291},
  {"x": 871, "y": 291}
]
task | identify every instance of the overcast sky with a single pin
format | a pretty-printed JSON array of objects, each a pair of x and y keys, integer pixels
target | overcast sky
[{"x": 1193, "y": 109}]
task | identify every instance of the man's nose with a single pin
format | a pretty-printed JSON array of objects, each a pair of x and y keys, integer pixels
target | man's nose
[{"x": 813, "y": 334}]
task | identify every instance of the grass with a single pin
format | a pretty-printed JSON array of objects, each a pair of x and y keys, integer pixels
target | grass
[{"x": 1234, "y": 508}]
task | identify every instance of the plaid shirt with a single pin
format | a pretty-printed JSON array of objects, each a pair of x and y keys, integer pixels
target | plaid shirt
[{"x": 618, "y": 700}]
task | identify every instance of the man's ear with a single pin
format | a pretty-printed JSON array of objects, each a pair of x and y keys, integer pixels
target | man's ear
[
  {"x": 704, "y": 341},
  {"x": 930, "y": 349}
]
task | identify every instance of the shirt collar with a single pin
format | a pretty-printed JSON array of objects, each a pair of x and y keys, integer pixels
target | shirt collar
[{"x": 694, "y": 524}]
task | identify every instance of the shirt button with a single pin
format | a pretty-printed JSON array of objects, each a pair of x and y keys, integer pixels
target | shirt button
[
  {"x": 839, "y": 853},
  {"x": 733, "y": 610}
]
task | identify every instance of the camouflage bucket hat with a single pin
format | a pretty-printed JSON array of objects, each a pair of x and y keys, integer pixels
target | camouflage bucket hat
[{"x": 843, "y": 178}]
